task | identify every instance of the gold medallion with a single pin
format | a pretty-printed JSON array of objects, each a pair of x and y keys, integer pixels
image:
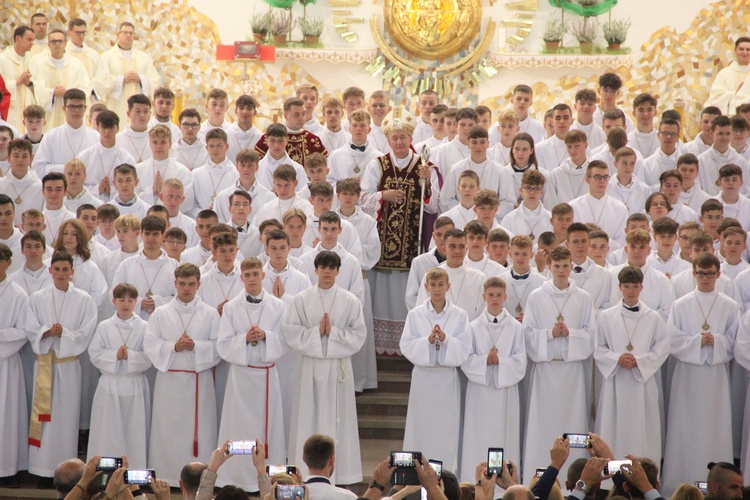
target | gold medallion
[
  {"x": 213, "y": 197},
  {"x": 706, "y": 326},
  {"x": 356, "y": 169},
  {"x": 254, "y": 343},
  {"x": 531, "y": 235},
  {"x": 433, "y": 29},
  {"x": 629, "y": 347},
  {"x": 519, "y": 309},
  {"x": 149, "y": 294},
  {"x": 19, "y": 200},
  {"x": 560, "y": 317}
]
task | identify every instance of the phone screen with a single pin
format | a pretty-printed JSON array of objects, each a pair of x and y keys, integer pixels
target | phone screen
[
  {"x": 139, "y": 476},
  {"x": 613, "y": 466},
  {"x": 109, "y": 463},
  {"x": 438, "y": 467},
  {"x": 241, "y": 447},
  {"x": 402, "y": 459},
  {"x": 703, "y": 486},
  {"x": 275, "y": 469},
  {"x": 289, "y": 492},
  {"x": 494, "y": 461},
  {"x": 540, "y": 471},
  {"x": 578, "y": 440}
]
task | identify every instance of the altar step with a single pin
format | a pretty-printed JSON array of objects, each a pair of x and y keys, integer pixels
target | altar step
[{"x": 381, "y": 412}]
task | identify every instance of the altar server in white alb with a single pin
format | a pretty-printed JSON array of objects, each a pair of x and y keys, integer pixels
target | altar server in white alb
[
  {"x": 559, "y": 330},
  {"x": 326, "y": 326},
  {"x": 702, "y": 327},
  {"x": 121, "y": 412},
  {"x": 351, "y": 159},
  {"x": 251, "y": 340},
  {"x": 181, "y": 344},
  {"x": 495, "y": 366},
  {"x": 59, "y": 325},
  {"x": 14, "y": 418},
  {"x": 436, "y": 340},
  {"x": 631, "y": 346}
]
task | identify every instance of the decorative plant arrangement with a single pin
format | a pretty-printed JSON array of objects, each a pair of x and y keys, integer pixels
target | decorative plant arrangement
[
  {"x": 554, "y": 30},
  {"x": 260, "y": 24},
  {"x": 280, "y": 27},
  {"x": 312, "y": 28},
  {"x": 585, "y": 26},
  {"x": 615, "y": 32},
  {"x": 585, "y": 32}
]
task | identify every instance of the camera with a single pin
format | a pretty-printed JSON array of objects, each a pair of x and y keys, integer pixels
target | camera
[
  {"x": 289, "y": 491},
  {"x": 540, "y": 471},
  {"x": 241, "y": 447},
  {"x": 494, "y": 461},
  {"x": 578, "y": 440},
  {"x": 281, "y": 469},
  {"x": 405, "y": 462},
  {"x": 109, "y": 464},
  {"x": 139, "y": 476},
  {"x": 613, "y": 466}
]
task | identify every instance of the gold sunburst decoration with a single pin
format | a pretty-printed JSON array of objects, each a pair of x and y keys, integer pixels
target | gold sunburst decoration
[{"x": 433, "y": 29}]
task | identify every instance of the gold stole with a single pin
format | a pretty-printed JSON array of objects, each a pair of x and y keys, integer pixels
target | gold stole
[
  {"x": 398, "y": 223},
  {"x": 41, "y": 411}
]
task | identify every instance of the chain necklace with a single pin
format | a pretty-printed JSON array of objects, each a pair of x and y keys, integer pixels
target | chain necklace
[
  {"x": 630, "y": 334},
  {"x": 151, "y": 284},
  {"x": 135, "y": 148},
  {"x": 78, "y": 149},
  {"x": 560, "y": 316},
  {"x": 705, "y": 324}
]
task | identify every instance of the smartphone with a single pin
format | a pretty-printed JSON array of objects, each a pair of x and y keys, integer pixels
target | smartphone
[
  {"x": 109, "y": 464},
  {"x": 703, "y": 486},
  {"x": 494, "y": 461},
  {"x": 281, "y": 469},
  {"x": 289, "y": 491},
  {"x": 405, "y": 458},
  {"x": 577, "y": 440},
  {"x": 139, "y": 476},
  {"x": 438, "y": 466},
  {"x": 613, "y": 466},
  {"x": 540, "y": 471},
  {"x": 241, "y": 447}
]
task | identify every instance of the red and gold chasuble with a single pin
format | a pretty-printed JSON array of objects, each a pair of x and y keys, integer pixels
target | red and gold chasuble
[
  {"x": 300, "y": 146},
  {"x": 398, "y": 223}
]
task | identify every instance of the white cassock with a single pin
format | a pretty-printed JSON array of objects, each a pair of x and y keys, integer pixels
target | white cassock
[
  {"x": 135, "y": 206},
  {"x": 258, "y": 193},
  {"x": 699, "y": 392},
  {"x": 121, "y": 413},
  {"x": 460, "y": 215},
  {"x": 529, "y": 125},
  {"x": 595, "y": 136},
  {"x": 433, "y": 418},
  {"x": 53, "y": 220},
  {"x": 730, "y": 88},
  {"x": 12, "y": 66},
  {"x": 491, "y": 176},
  {"x": 325, "y": 402},
  {"x": 14, "y": 419},
  {"x": 288, "y": 366},
  {"x": 168, "y": 169},
  {"x": 239, "y": 139},
  {"x": 154, "y": 277},
  {"x": 267, "y": 166},
  {"x": 608, "y": 157},
  {"x": 88, "y": 56},
  {"x": 523, "y": 220},
  {"x": 673, "y": 266},
  {"x": 49, "y": 73},
  {"x": 499, "y": 154},
  {"x": 83, "y": 198},
  {"x": 109, "y": 81},
  {"x": 26, "y": 194},
  {"x": 60, "y": 145},
  {"x": 101, "y": 162},
  {"x": 14, "y": 243},
  {"x": 633, "y": 196},
  {"x": 191, "y": 155},
  {"x": 276, "y": 208},
  {"x": 196, "y": 255},
  {"x": 346, "y": 162},
  {"x": 711, "y": 161},
  {"x": 422, "y": 131},
  {"x": 206, "y": 127},
  {"x": 174, "y": 129},
  {"x": 466, "y": 285},
  {"x": 135, "y": 143},
  {"x": 252, "y": 404},
  {"x": 658, "y": 163},
  {"x": 607, "y": 212},
  {"x": 188, "y": 225},
  {"x": 112, "y": 261},
  {"x": 742, "y": 357},
  {"x": 630, "y": 412},
  {"x": 518, "y": 290},
  {"x": 645, "y": 143},
  {"x": 597, "y": 281},
  {"x": 739, "y": 210},
  {"x": 348, "y": 237},
  {"x": 488, "y": 267},
  {"x": 89, "y": 278},
  {"x": 208, "y": 181},
  {"x": 658, "y": 292},
  {"x": 378, "y": 139},
  {"x": 364, "y": 363},
  {"x": 517, "y": 175},
  {"x": 493, "y": 409},
  {"x": 183, "y": 424},
  {"x": 419, "y": 267},
  {"x": 557, "y": 377},
  {"x": 75, "y": 310},
  {"x": 565, "y": 183},
  {"x": 334, "y": 140},
  {"x": 551, "y": 153},
  {"x": 448, "y": 154},
  {"x": 599, "y": 118},
  {"x": 350, "y": 273},
  {"x": 684, "y": 283}
]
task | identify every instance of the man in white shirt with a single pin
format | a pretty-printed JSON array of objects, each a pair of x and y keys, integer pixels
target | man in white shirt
[
  {"x": 217, "y": 174},
  {"x": 124, "y": 71},
  {"x": 450, "y": 153},
  {"x": 242, "y": 134},
  {"x": 333, "y": 136},
  {"x": 643, "y": 138},
  {"x": 351, "y": 159},
  {"x": 246, "y": 163},
  {"x": 309, "y": 95},
  {"x": 585, "y": 104},
  {"x": 319, "y": 455},
  {"x": 609, "y": 91},
  {"x": 134, "y": 138},
  {"x": 379, "y": 107},
  {"x": 719, "y": 154},
  {"x": 163, "y": 103},
  {"x": 665, "y": 157},
  {"x": 14, "y": 66},
  {"x": 522, "y": 99},
  {"x": 39, "y": 24},
  {"x": 731, "y": 87},
  {"x": 552, "y": 152},
  {"x": 78, "y": 49},
  {"x": 705, "y": 137},
  {"x": 190, "y": 150},
  {"x": 428, "y": 99}
]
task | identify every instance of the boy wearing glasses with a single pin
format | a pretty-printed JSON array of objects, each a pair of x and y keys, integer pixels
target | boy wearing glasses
[
  {"x": 598, "y": 207},
  {"x": 190, "y": 150},
  {"x": 666, "y": 156},
  {"x": 530, "y": 218}
]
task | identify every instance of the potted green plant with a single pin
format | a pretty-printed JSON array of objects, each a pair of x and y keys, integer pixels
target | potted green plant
[
  {"x": 311, "y": 27},
  {"x": 260, "y": 24},
  {"x": 554, "y": 30},
  {"x": 279, "y": 28},
  {"x": 585, "y": 32},
  {"x": 615, "y": 32}
]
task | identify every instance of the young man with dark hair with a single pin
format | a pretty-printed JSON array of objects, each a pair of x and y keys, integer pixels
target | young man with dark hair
[
  {"x": 276, "y": 140},
  {"x": 217, "y": 174},
  {"x": 585, "y": 105},
  {"x": 610, "y": 85},
  {"x": 301, "y": 143},
  {"x": 134, "y": 138},
  {"x": 552, "y": 152},
  {"x": 163, "y": 104},
  {"x": 643, "y": 138},
  {"x": 189, "y": 149},
  {"x": 719, "y": 154},
  {"x": 457, "y": 149},
  {"x": 19, "y": 183},
  {"x": 705, "y": 138},
  {"x": 729, "y": 88}
]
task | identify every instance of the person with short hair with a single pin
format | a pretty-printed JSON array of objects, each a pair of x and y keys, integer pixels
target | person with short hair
[
  {"x": 58, "y": 335},
  {"x": 174, "y": 243},
  {"x": 127, "y": 200},
  {"x": 558, "y": 324},
  {"x": 123, "y": 71},
  {"x": 530, "y": 218},
  {"x": 106, "y": 233},
  {"x": 670, "y": 185},
  {"x": 705, "y": 138},
  {"x": 439, "y": 131},
  {"x": 326, "y": 326},
  {"x": 309, "y": 95},
  {"x": 728, "y": 89},
  {"x": 250, "y": 339},
  {"x": 495, "y": 366},
  {"x": 172, "y": 198},
  {"x": 333, "y": 136},
  {"x": 740, "y": 136},
  {"x": 521, "y": 100},
  {"x": 426, "y": 261},
  {"x": 55, "y": 213},
  {"x": 163, "y": 104},
  {"x": 154, "y": 171},
  {"x": 352, "y": 158},
  {"x": 14, "y": 66},
  {"x": 476, "y": 256},
  {"x": 319, "y": 455},
  {"x": 457, "y": 149},
  {"x": 217, "y": 174},
  {"x": 467, "y": 187},
  {"x": 724, "y": 481},
  {"x": 181, "y": 343},
  {"x": 599, "y": 248},
  {"x": 189, "y": 149},
  {"x": 664, "y": 259},
  {"x": 9, "y": 234},
  {"x": 276, "y": 140},
  {"x": 585, "y": 105},
  {"x": 703, "y": 326},
  {"x": 77, "y": 195},
  {"x": 301, "y": 143},
  {"x": 246, "y": 162},
  {"x": 609, "y": 91},
  {"x": 644, "y": 138},
  {"x": 34, "y": 122},
  {"x": 427, "y": 100},
  {"x": 123, "y": 397},
  {"x": 552, "y": 152},
  {"x": 22, "y": 185},
  {"x": 67, "y": 141},
  {"x": 627, "y": 187},
  {"x": 734, "y": 244},
  {"x": 379, "y": 106},
  {"x": 632, "y": 344},
  {"x": 134, "y": 138},
  {"x": 436, "y": 340},
  {"x": 521, "y": 279},
  {"x": 719, "y": 154},
  {"x": 736, "y": 205},
  {"x": 507, "y": 126},
  {"x": 566, "y": 182}
]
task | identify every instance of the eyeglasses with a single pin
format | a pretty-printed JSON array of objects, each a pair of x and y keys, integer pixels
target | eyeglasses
[
  {"x": 659, "y": 204},
  {"x": 170, "y": 241},
  {"x": 705, "y": 274},
  {"x": 670, "y": 135},
  {"x": 240, "y": 205},
  {"x": 76, "y": 107},
  {"x": 533, "y": 189},
  {"x": 598, "y": 177},
  {"x": 190, "y": 125},
  {"x": 79, "y": 33},
  {"x": 57, "y": 42}
]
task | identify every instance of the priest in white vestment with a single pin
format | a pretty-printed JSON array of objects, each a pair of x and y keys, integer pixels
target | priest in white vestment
[
  {"x": 326, "y": 326},
  {"x": 14, "y": 66},
  {"x": 181, "y": 344},
  {"x": 731, "y": 87}
]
